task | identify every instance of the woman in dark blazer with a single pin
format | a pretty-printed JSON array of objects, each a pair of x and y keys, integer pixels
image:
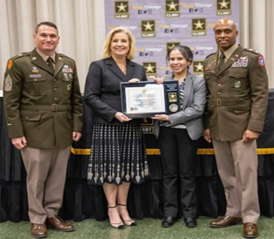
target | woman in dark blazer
[
  {"x": 117, "y": 151},
  {"x": 178, "y": 134}
]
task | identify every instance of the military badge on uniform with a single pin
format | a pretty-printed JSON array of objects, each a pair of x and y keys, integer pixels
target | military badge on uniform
[
  {"x": 261, "y": 61},
  {"x": 34, "y": 69},
  {"x": 68, "y": 87},
  {"x": 9, "y": 64},
  {"x": 67, "y": 69},
  {"x": 237, "y": 84},
  {"x": 8, "y": 83},
  {"x": 66, "y": 76},
  {"x": 240, "y": 62}
]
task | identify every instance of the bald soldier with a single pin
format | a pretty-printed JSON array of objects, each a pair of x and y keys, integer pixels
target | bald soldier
[
  {"x": 43, "y": 111},
  {"x": 237, "y": 96}
]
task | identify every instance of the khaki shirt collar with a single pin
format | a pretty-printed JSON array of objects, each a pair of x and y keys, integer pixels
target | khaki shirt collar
[
  {"x": 229, "y": 52},
  {"x": 45, "y": 57}
]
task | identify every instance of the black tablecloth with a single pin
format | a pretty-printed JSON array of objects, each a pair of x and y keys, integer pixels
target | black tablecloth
[{"x": 82, "y": 201}]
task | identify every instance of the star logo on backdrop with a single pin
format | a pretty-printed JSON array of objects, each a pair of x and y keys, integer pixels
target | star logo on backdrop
[
  {"x": 149, "y": 68},
  {"x": 122, "y": 7},
  {"x": 199, "y": 24},
  {"x": 148, "y": 26},
  {"x": 173, "y": 6},
  {"x": 223, "y": 4},
  {"x": 199, "y": 67}
]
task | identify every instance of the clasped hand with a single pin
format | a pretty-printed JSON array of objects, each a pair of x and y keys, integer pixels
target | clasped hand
[{"x": 121, "y": 117}]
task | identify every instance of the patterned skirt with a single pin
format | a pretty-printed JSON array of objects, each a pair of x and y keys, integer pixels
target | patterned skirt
[{"x": 118, "y": 155}]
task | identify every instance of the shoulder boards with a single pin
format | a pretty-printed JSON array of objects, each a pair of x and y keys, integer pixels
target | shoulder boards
[
  {"x": 20, "y": 55},
  {"x": 210, "y": 54},
  {"x": 63, "y": 55},
  {"x": 252, "y": 51},
  {"x": 14, "y": 58}
]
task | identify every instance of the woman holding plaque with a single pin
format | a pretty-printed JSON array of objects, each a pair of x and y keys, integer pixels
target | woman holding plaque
[
  {"x": 178, "y": 135},
  {"x": 118, "y": 155}
]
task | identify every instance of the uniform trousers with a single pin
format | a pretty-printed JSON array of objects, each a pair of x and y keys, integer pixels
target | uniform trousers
[
  {"x": 178, "y": 152},
  {"x": 237, "y": 164},
  {"x": 46, "y": 175}
]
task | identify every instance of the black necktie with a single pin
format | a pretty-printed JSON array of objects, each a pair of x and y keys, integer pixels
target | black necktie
[
  {"x": 222, "y": 61},
  {"x": 50, "y": 64}
]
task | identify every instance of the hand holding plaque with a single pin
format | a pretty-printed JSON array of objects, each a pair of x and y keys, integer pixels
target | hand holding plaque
[{"x": 145, "y": 99}]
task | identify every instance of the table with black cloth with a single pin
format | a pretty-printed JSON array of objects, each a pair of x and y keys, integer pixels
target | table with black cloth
[{"x": 82, "y": 201}]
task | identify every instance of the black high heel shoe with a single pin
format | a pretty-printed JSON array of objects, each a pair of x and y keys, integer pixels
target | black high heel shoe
[
  {"x": 127, "y": 222},
  {"x": 117, "y": 225}
]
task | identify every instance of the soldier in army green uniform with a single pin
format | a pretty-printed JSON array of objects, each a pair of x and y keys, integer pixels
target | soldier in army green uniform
[
  {"x": 43, "y": 109},
  {"x": 237, "y": 96}
]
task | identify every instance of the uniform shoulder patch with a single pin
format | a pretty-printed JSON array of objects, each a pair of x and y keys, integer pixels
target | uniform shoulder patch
[
  {"x": 210, "y": 55},
  {"x": 14, "y": 58},
  {"x": 252, "y": 51},
  {"x": 9, "y": 65},
  {"x": 261, "y": 60}
]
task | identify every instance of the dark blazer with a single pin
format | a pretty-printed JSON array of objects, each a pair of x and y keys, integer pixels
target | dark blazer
[
  {"x": 44, "y": 107},
  {"x": 102, "y": 89},
  {"x": 194, "y": 102},
  {"x": 237, "y": 95}
]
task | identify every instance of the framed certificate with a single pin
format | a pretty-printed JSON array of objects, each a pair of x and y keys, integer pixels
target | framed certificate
[{"x": 145, "y": 99}]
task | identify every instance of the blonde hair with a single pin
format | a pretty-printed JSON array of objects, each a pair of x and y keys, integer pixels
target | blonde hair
[{"x": 106, "y": 48}]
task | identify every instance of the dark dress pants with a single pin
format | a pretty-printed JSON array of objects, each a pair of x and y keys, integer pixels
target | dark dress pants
[{"x": 178, "y": 152}]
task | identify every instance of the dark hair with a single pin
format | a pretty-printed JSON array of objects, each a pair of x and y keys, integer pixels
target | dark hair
[
  {"x": 50, "y": 24},
  {"x": 185, "y": 51}
]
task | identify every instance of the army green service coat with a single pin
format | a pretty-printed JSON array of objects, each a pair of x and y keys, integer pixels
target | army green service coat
[
  {"x": 237, "y": 95},
  {"x": 44, "y": 107}
]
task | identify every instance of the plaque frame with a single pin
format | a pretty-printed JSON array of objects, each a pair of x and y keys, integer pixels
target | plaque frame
[{"x": 147, "y": 98}]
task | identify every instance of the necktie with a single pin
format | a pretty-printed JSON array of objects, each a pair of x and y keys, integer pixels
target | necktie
[
  {"x": 50, "y": 64},
  {"x": 222, "y": 61}
]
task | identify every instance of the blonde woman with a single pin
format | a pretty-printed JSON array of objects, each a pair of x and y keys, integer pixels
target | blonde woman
[{"x": 118, "y": 151}]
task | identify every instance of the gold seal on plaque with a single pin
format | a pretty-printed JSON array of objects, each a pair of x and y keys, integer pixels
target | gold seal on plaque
[
  {"x": 173, "y": 108},
  {"x": 172, "y": 97}
]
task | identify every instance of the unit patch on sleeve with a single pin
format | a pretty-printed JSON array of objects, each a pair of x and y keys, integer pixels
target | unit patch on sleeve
[
  {"x": 8, "y": 83},
  {"x": 261, "y": 61},
  {"x": 9, "y": 65}
]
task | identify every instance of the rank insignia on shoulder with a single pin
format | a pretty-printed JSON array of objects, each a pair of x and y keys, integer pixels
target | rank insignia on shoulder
[
  {"x": 9, "y": 65},
  {"x": 251, "y": 50},
  {"x": 8, "y": 83},
  {"x": 210, "y": 55},
  {"x": 261, "y": 61}
]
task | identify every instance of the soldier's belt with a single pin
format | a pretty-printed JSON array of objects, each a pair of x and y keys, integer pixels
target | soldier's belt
[
  {"x": 222, "y": 102},
  {"x": 53, "y": 107}
]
